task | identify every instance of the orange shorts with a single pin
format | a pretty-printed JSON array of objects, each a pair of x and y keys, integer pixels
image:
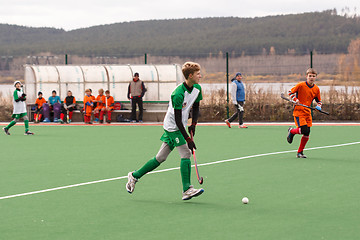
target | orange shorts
[{"x": 303, "y": 120}]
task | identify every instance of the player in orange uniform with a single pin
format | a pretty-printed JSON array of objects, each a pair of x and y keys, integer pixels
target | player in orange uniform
[
  {"x": 304, "y": 93},
  {"x": 39, "y": 103},
  {"x": 108, "y": 107},
  {"x": 100, "y": 104},
  {"x": 88, "y": 106}
]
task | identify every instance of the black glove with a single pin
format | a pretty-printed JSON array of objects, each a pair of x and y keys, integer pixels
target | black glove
[
  {"x": 191, "y": 129},
  {"x": 23, "y": 95},
  {"x": 191, "y": 144}
]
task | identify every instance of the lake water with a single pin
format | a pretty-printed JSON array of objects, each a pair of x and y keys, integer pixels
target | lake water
[{"x": 208, "y": 87}]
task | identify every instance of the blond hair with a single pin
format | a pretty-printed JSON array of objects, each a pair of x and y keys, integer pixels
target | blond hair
[
  {"x": 311, "y": 71},
  {"x": 88, "y": 90},
  {"x": 190, "y": 68}
]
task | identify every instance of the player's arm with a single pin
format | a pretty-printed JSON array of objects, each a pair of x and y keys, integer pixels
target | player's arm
[
  {"x": 195, "y": 116},
  {"x": 233, "y": 92},
  {"x": 143, "y": 89},
  {"x": 179, "y": 124},
  {"x": 318, "y": 101},
  {"x": 128, "y": 93},
  {"x": 293, "y": 93}
]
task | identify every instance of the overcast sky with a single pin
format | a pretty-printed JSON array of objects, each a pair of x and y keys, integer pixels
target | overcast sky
[{"x": 74, "y": 14}]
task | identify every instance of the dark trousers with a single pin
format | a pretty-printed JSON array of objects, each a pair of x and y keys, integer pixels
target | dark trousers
[
  {"x": 139, "y": 102},
  {"x": 238, "y": 113}
]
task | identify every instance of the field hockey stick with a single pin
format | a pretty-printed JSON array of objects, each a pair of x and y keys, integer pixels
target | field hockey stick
[
  {"x": 37, "y": 117},
  {"x": 200, "y": 179},
  {"x": 312, "y": 108},
  {"x": 67, "y": 116},
  {"x": 105, "y": 112}
]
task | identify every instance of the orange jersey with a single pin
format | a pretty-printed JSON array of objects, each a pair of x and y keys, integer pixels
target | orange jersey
[
  {"x": 39, "y": 102},
  {"x": 306, "y": 94},
  {"x": 110, "y": 102},
  {"x": 102, "y": 103},
  {"x": 88, "y": 108}
]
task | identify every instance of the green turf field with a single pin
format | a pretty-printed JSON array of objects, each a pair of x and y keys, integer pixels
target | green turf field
[{"x": 290, "y": 198}]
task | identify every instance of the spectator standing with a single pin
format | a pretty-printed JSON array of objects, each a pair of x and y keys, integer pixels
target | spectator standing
[
  {"x": 237, "y": 90},
  {"x": 136, "y": 92}
]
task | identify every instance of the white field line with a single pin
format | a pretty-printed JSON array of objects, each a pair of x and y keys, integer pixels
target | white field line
[{"x": 170, "y": 169}]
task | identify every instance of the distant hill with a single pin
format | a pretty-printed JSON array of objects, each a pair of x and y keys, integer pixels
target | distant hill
[{"x": 324, "y": 32}]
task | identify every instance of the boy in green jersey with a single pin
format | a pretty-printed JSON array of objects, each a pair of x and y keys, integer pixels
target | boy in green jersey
[
  {"x": 19, "y": 98},
  {"x": 185, "y": 96}
]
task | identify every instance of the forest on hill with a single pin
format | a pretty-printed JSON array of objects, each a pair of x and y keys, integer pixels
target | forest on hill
[{"x": 324, "y": 32}]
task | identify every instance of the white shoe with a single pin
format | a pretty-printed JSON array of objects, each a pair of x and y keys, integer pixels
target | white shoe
[
  {"x": 191, "y": 192},
  {"x": 130, "y": 185}
]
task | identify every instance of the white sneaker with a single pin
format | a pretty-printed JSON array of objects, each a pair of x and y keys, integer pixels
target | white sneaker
[
  {"x": 130, "y": 185},
  {"x": 191, "y": 192}
]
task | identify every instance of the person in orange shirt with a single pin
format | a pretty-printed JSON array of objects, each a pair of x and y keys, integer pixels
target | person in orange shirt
[
  {"x": 100, "y": 104},
  {"x": 39, "y": 107},
  {"x": 88, "y": 106},
  {"x": 304, "y": 93},
  {"x": 108, "y": 107}
]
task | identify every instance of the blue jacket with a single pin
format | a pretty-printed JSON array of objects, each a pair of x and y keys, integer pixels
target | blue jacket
[
  {"x": 237, "y": 91},
  {"x": 53, "y": 100}
]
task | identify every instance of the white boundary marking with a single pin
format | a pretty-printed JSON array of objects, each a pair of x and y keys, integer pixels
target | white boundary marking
[{"x": 170, "y": 169}]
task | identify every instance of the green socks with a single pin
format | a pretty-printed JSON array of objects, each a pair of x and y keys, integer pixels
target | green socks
[
  {"x": 12, "y": 123},
  {"x": 26, "y": 125},
  {"x": 148, "y": 167},
  {"x": 185, "y": 169}
]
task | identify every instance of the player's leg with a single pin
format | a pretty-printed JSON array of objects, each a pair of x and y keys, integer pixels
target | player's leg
[
  {"x": 133, "y": 110},
  {"x": 12, "y": 123},
  {"x": 46, "y": 111},
  {"x": 185, "y": 169},
  {"x": 305, "y": 130},
  {"x": 141, "y": 109},
  {"x": 96, "y": 114},
  {"x": 102, "y": 112},
  {"x": 62, "y": 114},
  {"x": 232, "y": 118},
  {"x": 26, "y": 123},
  {"x": 241, "y": 115},
  {"x": 293, "y": 131},
  {"x": 71, "y": 111},
  {"x": 57, "y": 111},
  {"x": 108, "y": 116},
  {"x": 149, "y": 166}
]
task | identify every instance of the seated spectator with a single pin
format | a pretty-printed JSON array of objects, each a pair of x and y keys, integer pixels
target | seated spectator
[
  {"x": 39, "y": 107},
  {"x": 88, "y": 106},
  {"x": 54, "y": 106},
  {"x": 109, "y": 107},
  {"x": 68, "y": 107},
  {"x": 100, "y": 104}
]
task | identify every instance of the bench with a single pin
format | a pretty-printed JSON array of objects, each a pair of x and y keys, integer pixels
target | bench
[{"x": 154, "y": 111}]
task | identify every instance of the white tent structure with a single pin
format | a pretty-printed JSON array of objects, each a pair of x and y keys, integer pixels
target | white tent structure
[{"x": 160, "y": 80}]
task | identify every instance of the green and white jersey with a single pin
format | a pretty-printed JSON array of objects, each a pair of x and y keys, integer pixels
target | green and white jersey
[
  {"x": 182, "y": 99},
  {"x": 20, "y": 106}
]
